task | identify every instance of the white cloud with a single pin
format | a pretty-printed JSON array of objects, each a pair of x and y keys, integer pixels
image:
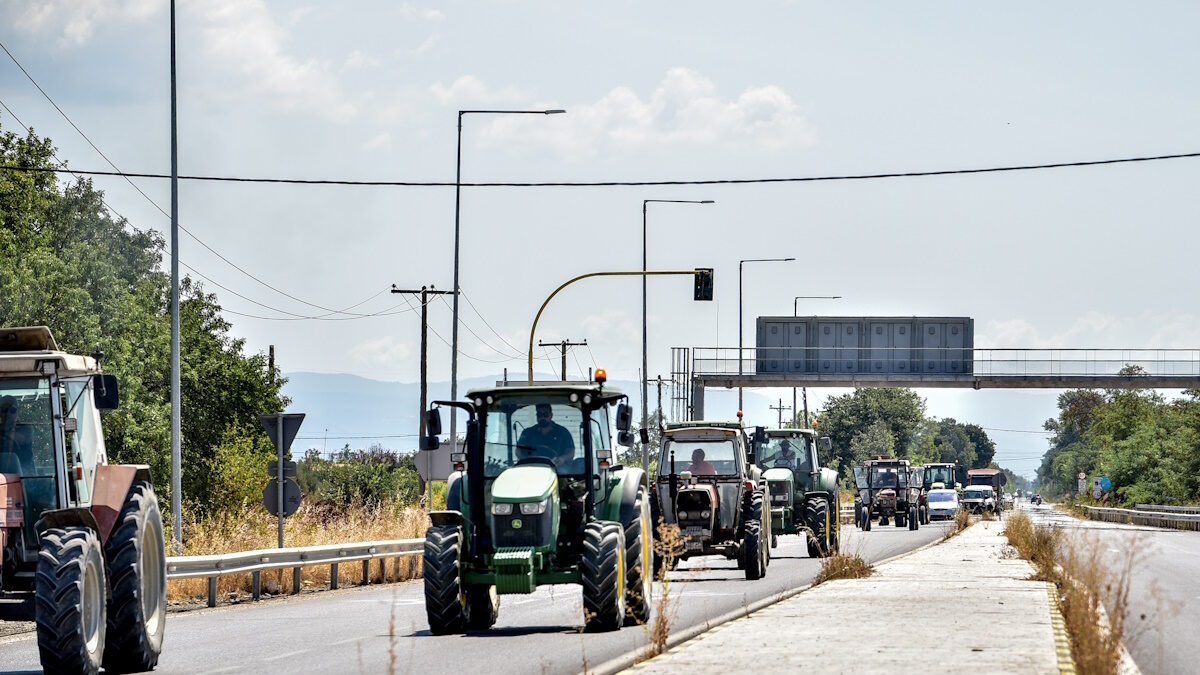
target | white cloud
[
  {"x": 75, "y": 21},
  {"x": 240, "y": 36},
  {"x": 380, "y": 353},
  {"x": 1097, "y": 330},
  {"x": 358, "y": 60},
  {"x": 425, "y": 46},
  {"x": 297, "y": 15},
  {"x": 410, "y": 10},
  {"x": 379, "y": 142},
  {"x": 684, "y": 109},
  {"x": 470, "y": 89}
]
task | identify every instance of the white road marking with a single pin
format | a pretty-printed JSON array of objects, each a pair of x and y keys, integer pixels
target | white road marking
[
  {"x": 226, "y": 669},
  {"x": 346, "y": 641},
  {"x": 284, "y": 656}
]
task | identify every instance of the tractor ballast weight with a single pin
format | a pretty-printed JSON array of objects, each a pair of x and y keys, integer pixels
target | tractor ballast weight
[
  {"x": 82, "y": 537},
  {"x": 803, "y": 494},
  {"x": 535, "y": 499},
  {"x": 714, "y": 493}
]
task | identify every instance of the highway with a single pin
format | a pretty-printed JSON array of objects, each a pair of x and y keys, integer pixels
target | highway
[
  {"x": 381, "y": 628},
  {"x": 1164, "y": 603}
]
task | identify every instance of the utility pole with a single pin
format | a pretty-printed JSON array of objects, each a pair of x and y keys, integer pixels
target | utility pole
[
  {"x": 176, "y": 387},
  {"x": 806, "y": 425},
  {"x": 425, "y": 292},
  {"x": 563, "y": 344},
  {"x": 781, "y": 407}
]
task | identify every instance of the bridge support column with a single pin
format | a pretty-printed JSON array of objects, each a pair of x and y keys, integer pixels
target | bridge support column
[{"x": 697, "y": 411}]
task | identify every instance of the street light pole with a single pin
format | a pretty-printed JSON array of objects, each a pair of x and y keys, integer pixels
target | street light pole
[
  {"x": 457, "y": 209},
  {"x": 795, "y": 313},
  {"x": 645, "y": 393},
  {"x": 739, "y": 355}
]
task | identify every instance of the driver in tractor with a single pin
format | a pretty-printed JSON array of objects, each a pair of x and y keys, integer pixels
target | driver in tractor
[
  {"x": 547, "y": 438},
  {"x": 786, "y": 454},
  {"x": 700, "y": 467},
  {"x": 15, "y": 446}
]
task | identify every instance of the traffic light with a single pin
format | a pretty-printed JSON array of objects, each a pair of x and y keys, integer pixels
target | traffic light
[{"x": 704, "y": 284}]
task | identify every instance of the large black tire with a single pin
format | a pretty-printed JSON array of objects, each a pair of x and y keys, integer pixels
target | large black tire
[
  {"x": 445, "y": 595},
  {"x": 901, "y": 517},
  {"x": 816, "y": 514},
  {"x": 754, "y": 541},
  {"x": 914, "y": 518},
  {"x": 69, "y": 598},
  {"x": 483, "y": 607},
  {"x": 137, "y": 575},
  {"x": 866, "y": 519},
  {"x": 602, "y": 570},
  {"x": 639, "y": 587}
]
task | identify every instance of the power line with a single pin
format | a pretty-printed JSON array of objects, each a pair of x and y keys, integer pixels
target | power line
[
  {"x": 637, "y": 183},
  {"x": 1019, "y": 431}
]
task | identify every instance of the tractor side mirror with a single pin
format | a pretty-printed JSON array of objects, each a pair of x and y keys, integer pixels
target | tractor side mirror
[
  {"x": 433, "y": 422},
  {"x": 826, "y": 443},
  {"x": 644, "y": 436},
  {"x": 104, "y": 391},
  {"x": 624, "y": 417},
  {"x": 430, "y": 443},
  {"x": 760, "y": 434},
  {"x": 625, "y": 439}
]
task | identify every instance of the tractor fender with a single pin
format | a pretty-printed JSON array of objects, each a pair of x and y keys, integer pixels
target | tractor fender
[
  {"x": 454, "y": 492},
  {"x": 444, "y": 518},
  {"x": 827, "y": 480},
  {"x": 623, "y": 496},
  {"x": 109, "y": 492},
  {"x": 75, "y": 516}
]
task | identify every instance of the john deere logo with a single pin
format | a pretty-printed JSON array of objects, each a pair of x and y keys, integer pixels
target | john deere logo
[{"x": 516, "y": 523}]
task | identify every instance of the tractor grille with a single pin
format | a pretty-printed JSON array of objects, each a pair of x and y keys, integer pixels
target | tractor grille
[
  {"x": 532, "y": 530},
  {"x": 780, "y": 494}
]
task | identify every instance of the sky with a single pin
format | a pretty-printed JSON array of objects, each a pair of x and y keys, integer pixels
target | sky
[{"x": 1087, "y": 257}]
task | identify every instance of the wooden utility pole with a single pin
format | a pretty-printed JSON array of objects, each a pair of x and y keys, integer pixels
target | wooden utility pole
[
  {"x": 425, "y": 292},
  {"x": 781, "y": 407},
  {"x": 563, "y": 344}
]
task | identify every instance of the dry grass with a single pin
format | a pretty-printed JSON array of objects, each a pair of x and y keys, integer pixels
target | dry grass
[
  {"x": 668, "y": 544},
  {"x": 1037, "y": 544},
  {"x": 962, "y": 520},
  {"x": 311, "y": 525},
  {"x": 843, "y": 566}
]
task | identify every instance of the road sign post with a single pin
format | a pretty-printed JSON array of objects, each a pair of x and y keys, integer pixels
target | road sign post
[{"x": 282, "y": 428}]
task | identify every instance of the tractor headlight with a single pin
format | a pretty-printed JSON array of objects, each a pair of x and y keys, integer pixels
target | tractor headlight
[
  {"x": 683, "y": 515},
  {"x": 705, "y": 514},
  {"x": 502, "y": 509},
  {"x": 534, "y": 508}
]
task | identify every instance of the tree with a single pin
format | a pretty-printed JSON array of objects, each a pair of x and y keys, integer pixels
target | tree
[
  {"x": 844, "y": 417},
  {"x": 876, "y": 440}
]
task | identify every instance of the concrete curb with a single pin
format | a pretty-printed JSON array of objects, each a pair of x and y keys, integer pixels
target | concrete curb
[{"x": 628, "y": 661}]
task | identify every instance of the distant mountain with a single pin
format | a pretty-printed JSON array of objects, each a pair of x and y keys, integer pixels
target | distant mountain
[{"x": 341, "y": 408}]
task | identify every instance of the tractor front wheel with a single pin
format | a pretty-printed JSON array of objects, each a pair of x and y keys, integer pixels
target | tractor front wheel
[
  {"x": 483, "y": 607},
  {"x": 70, "y": 610},
  {"x": 816, "y": 512},
  {"x": 638, "y": 554},
  {"x": 866, "y": 518},
  {"x": 754, "y": 548},
  {"x": 445, "y": 596},
  {"x": 602, "y": 570},
  {"x": 137, "y": 574}
]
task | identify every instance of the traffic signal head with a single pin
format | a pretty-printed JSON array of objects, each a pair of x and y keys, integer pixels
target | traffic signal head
[{"x": 704, "y": 284}]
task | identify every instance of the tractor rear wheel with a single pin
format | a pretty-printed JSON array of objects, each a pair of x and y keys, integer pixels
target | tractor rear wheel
[
  {"x": 816, "y": 515},
  {"x": 70, "y": 588},
  {"x": 602, "y": 570},
  {"x": 754, "y": 548},
  {"x": 638, "y": 584},
  {"x": 137, "y": 574},
  {"x": 866, "y": 519},
  {"x": 914, "y": 518},
  {"x": 445, "y": 596},
  {"x": 901, "y": 517}
]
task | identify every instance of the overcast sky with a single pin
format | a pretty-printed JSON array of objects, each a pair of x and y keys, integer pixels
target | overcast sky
[{"x": 1091, "y": 257}]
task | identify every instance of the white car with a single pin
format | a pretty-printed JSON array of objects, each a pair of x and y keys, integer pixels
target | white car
[
  {"x": 979, "y": 498},
  {"x": 942, "y": 504}
]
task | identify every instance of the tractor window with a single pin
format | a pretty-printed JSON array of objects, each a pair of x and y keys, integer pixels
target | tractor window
[
  {"x": 939, "y": 474},
  {"x": 26, "y": 429},
  {"x": 789, "y": 453},
  {"x": 533, "y": 429},
  {"x": 709, "y": 457},
  {"x": 87, "y": 443},
  {"x": 883, "y": 477}
]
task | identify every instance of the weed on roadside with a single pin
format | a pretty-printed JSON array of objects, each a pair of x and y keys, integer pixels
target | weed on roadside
[
  {"x": 962, "y": 520},
  {"x": 1039, "y": 545},
  {"x": 667, "y": 546},
  {"x": 843, "y": 565}
]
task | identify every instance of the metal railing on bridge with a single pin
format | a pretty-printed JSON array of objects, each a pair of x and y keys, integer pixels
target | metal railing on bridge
[
  {"x": 255, "y": 562},
  {"x": 1139, "y": 516}
]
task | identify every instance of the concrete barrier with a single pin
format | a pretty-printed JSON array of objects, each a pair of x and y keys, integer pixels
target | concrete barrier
[{"x": 1177, "y": 521}]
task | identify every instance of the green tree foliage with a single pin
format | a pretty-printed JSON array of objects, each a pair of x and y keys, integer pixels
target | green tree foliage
[
  {"x": 367, "y": 477},
  {"x": 68, "y": 263},
  {"x": 900, "y": 410},
  {"x": 874, "y": 441}
]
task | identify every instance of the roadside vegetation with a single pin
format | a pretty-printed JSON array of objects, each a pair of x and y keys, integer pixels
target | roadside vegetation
[
  {"x": 667, "y": 545},
  {"x": 843, "y": 566},
  {"x": 962, "y": 520},
  {"x": 1093, "y": 595}
]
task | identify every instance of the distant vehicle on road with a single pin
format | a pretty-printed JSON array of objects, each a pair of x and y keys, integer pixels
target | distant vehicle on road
[
  {"x": 991, "y": 477},
  {"x": 979, "y": 499},
  {"x": 888, "y": 488},
  {"x": 1036, "y": 499},
  {"x": 943, "y": 503}
]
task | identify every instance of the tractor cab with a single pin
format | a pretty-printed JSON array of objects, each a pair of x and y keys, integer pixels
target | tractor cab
[
  {"x": 888, "y": 488},
  {"x": 941, "y": 476}
]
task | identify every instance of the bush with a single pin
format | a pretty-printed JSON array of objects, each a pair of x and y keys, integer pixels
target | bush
[
  {"x": 238, "y": 471},
  {"x": 368, "y": 478}
]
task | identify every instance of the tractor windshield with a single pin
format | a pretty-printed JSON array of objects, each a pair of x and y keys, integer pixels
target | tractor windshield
[
  {"x": 540, "y": 430},
  {"x": 703, "y": 457},
  {"x": 26, "y": 429},
  {"x": 939, "y": 474},
  {"x": 787, "y": 453},
  {"x": 883, "y": 477}
]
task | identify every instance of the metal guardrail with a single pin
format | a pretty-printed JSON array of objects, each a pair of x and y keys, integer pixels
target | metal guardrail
[
  {"x": 1168, "y": 509},
  {"x": 1178, "y": 521},
  {"x": 254, "y": 562}
]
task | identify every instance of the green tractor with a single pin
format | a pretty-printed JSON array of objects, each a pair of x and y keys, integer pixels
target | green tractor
[
  {"x": 804, "y": 495},
  {"x": 535, "y": 500},
  {"x": 81, "y": 538}
]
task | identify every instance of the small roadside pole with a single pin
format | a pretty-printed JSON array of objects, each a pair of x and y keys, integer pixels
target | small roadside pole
[{"x": 282, "y": 495}]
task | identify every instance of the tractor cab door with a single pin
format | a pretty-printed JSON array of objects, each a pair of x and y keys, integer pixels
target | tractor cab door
[
  {"x": 861, "y": 484},
  {"x": 84, "y": 439}
]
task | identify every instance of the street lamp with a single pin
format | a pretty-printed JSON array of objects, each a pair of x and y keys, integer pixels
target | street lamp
[
  {"x": 795, "y": 313},
  {"x": 645, "y": 372},
  {"x": 740, "y": 264},
  {"x": 454, "y": 308}
]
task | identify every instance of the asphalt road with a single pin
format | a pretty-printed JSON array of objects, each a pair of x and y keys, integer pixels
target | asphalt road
[
  {"x": 381, "y": 628},
  {"x": 1164, "y": 601}
]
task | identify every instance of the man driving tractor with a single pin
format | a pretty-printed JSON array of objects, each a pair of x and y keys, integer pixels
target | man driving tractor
[{"x": 547, "y": 438}]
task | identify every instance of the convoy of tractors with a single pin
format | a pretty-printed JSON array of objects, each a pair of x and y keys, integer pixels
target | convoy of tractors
[{"x": 536, "y": 497}]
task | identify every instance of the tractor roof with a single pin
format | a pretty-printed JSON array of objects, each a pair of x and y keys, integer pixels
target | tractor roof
[
  {"x": 23, "y": 349},
  {"x": 704, "y": 424},
  {"x": 517, "y": 388},
  {"x": 788, "y": 433}
]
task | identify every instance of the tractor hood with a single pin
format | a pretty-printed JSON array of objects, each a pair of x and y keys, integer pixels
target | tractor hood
[
  {"x": 524, "y": 484},
  {"x": 778, "y": 475}
]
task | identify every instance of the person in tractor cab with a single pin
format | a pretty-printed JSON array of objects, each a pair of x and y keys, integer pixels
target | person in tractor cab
[
  {"x": 546, "y": 438},
  {"x": 700, "y": 467},
  {"x": 786, "y": 454}
]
